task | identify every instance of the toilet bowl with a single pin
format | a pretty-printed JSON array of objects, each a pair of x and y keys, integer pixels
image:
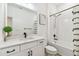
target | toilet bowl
[{"x": 50, "y": 50}]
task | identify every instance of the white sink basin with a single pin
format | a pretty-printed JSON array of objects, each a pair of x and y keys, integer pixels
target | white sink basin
[
  {"x": 22, "y": 38},
  {"x": 27, "y": 38}
]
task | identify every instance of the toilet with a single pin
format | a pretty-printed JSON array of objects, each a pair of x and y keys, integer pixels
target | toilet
[{"x": 50, "y": 50}]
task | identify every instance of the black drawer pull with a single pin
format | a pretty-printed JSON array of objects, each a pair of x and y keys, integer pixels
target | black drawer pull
[
  {"x": 11, "y": 51},
  {"x": 28, "y": 53},
  {"x": 41, "y": 42},
  {"x": 31, "y": 52}
]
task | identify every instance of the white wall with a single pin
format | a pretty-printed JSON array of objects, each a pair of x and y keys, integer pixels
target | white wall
[
  {"x": 63, "y": 6},
  {"x": 42, "y": 8},
  {"x": 1, "y": 21},
  {"x": 51, "y": 10}
]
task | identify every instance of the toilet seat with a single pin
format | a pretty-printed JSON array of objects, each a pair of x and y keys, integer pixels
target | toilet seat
[{"x": 51, "y": 50}]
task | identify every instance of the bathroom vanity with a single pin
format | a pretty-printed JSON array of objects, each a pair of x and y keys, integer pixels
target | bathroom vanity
[{"x": 23, "y": 47}]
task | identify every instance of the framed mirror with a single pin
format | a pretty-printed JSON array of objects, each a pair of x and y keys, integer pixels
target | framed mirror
[{"x": 21, "y": 19}]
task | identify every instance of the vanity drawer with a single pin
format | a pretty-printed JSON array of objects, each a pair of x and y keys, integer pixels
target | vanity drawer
[
  {"x": 28, "y": 45},
  {"x": 9, "y": 50}
]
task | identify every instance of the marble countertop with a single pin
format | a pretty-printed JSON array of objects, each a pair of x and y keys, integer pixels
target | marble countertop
[{"x": 18, "y": 41}]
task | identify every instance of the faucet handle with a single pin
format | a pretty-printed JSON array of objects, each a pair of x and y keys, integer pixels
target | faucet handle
[
  {"x": 54, "y": 35},
  {"x": 25, "y": 34}
]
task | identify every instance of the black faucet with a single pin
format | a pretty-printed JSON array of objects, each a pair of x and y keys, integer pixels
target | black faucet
[{"x": 25, "y": 34}]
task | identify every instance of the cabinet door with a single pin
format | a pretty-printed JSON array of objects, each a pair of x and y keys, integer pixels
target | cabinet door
[
  {"x": 37, "y": 51},
  {"x": 9, "y": 50},
  {"x": 22, "y": 53}
]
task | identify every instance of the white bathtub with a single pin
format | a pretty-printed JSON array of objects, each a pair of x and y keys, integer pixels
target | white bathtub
[{"x": 63, "y": 48}]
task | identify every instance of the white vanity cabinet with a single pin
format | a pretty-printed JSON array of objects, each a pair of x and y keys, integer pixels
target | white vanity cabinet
[
  {"x": 31, "y": 48},
  {"x": 37, "y": 51},
  {"x": 21, "y": 53},
  {"x": 35, "y": 48}
]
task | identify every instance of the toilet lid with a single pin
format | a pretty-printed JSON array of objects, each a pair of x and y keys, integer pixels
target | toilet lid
[{"x": 51, "y": 48}]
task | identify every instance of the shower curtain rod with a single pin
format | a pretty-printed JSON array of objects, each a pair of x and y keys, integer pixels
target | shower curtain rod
[{"x": 64, "y": 10}]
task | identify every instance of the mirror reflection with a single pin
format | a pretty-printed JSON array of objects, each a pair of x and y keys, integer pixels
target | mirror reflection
[{"x": 21, "y": 19}]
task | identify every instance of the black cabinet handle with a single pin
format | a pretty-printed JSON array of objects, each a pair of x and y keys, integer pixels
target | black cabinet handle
[
  {"x": 28, "y": 53},
  {"x": 11, "y": 51},
  {"x": 31, "y": 52},
  {"x": 41, "y": 42}
]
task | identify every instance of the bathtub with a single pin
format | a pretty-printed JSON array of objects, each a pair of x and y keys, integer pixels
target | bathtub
[{"x": 63, "y": 48}]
